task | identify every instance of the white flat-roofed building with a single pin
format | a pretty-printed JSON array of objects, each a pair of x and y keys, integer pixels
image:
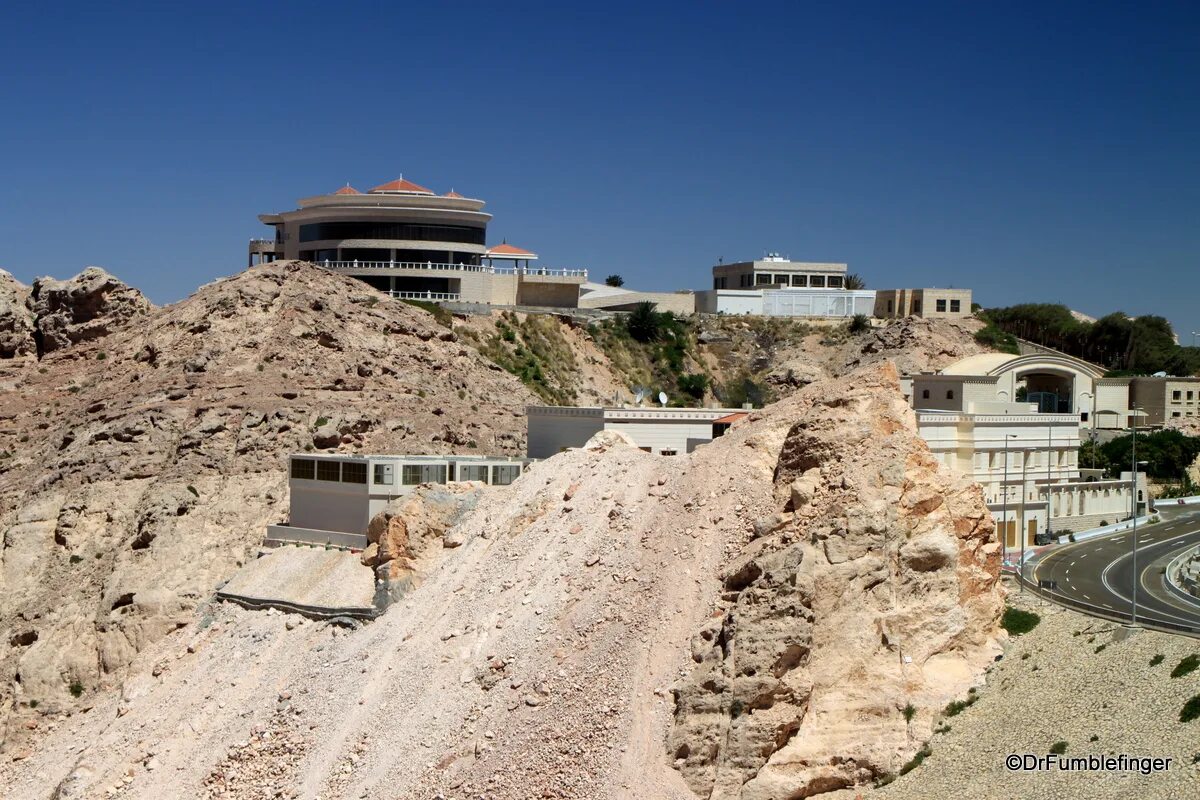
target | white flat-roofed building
[
  {"x": 663, "y": 431},
  {"x": 777, "y": 287},
  {"x": 334, "y": 497}
]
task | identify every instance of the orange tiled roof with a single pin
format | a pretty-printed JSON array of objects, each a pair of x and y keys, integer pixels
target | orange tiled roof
[
  {"x": 507, "y": 249},
  {"x": 729, "y": 419},
  {"x": 452, "y": 193},
  {"x": 347, "y": 189},
  {"x": 401, "y": 185}
]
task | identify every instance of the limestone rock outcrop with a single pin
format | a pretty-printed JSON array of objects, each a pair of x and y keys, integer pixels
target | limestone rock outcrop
[
  {"x": 138, "y": 469},
  {"x": 89, "y": 306},
  {"x": 16, "y": 322},
  {"x": 874, "y": 587}
]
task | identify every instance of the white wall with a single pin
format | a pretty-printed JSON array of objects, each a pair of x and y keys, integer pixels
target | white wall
[{"x": 329, "y": 506}]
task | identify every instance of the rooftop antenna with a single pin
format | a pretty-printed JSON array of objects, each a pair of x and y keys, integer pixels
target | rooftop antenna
[{"x": 662, "y": 398}]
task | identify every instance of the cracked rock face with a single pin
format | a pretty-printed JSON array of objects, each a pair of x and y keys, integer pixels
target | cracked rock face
[
  {"x": 87, "y": 307},
  {"x": 16, "y": 323},
  {"x": 873, "y": 587}
]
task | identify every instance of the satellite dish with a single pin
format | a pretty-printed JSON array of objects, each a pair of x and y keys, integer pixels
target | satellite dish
[
  {"x": 662, "y": 398},
  {"x": 638, "y": 396}
]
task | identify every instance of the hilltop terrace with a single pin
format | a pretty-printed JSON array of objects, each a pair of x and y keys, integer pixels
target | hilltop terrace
[{"x": 404, "y": 239}]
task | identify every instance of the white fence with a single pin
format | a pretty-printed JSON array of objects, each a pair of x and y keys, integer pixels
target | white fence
[{"x": 443, "y": 267}]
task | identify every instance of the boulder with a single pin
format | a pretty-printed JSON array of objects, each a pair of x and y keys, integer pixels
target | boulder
[{"x": 87, "y": 307}]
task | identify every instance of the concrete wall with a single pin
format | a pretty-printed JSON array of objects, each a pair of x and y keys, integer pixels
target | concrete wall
[
  {"x": 552, "y": 430},
  {"x": 729, "y": 301},
  {"x": 679, "y": 303},
  {"x": 545, "y": 291},
  {"x": 659, "y": 435},
  {"x": 329, "y": 506}
]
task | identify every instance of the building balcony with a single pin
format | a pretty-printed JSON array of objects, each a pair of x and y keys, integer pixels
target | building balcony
[{"x": 384, "y": 267}]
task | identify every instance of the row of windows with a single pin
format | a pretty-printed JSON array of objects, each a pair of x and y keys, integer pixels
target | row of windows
[
  {"x": 780, "y": 279},
  {"x": 955, "y": 306},
  {"x": 1175, "y": 395},
  {"x": 410, "y": 474},
  {"x": 318, "y": 231},
  {"x": 925, "y": 394}
]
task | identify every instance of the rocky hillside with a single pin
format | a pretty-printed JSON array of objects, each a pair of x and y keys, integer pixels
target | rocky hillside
[
  {"x": 142, "y": 449},
  {"x": 778, "y": 614},
  {"x": 736, "y": 359}
]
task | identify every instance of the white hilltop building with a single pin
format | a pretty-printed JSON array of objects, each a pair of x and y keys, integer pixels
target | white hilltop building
[{"x": 1014, "y": 424}]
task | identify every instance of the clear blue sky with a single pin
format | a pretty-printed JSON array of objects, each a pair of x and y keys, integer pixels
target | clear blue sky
[{"x": 1032, "y": 151}]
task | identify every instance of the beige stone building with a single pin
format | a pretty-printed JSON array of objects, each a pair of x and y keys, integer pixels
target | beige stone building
[
  {"x": 406, "y": 240},
  {"x": 774, "y": 271},
  {"x": 1162, "y": 398},
  {"x": 931, "y": 303}
]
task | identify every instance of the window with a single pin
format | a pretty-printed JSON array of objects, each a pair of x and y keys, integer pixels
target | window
[
  {"x": 916, "y": 307},
  {"x": 668, "y": 452},
  {"x": 924, "y": 394},
  {"x": 941, "y": 305},
  {"x": 1175, "y": 395},
  {"x": 413, "y": 474},
  {"x": 321, "y": 231},
  {"x": 891, "y": 306},
  {"x": 799, "y": 280},
  {"x": 1174, "y": 413},
  {"x": 1083, "y": 417},
  {"x": 835, "y": 282},
  {"x": 473, "y": 472},
  {"x": 504, "y": 474},
  {"x": 955, "y": 306},
  {"x": 328, "y": 471},
  {"x": 354, "y": 472},
  {"x": 949, "y": 394},
  {"x": 303, "y": 468},
  {"x": 762, "y": 279},
  {"x": 645, "y": 449},
  {"x": 1189, "y": 395},
  {"x": 817, "y": 281},
  {"x": 383, "y": 474}
]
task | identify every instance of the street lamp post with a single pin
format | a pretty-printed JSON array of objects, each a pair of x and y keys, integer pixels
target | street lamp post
[
  {"x": 1004, "y": 488},
  {"x": 1049, "y": 479},
  {"x": 1133, "y": 500},
  {"x": 1024, "y": 524}
]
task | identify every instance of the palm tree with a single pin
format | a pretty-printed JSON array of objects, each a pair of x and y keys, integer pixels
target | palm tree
[
  {"x": 854, "y": 281},
  {"x": 614, "y": 280}
]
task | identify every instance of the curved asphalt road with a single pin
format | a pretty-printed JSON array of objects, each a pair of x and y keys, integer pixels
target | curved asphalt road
[{"x": 1099, "y": 572}]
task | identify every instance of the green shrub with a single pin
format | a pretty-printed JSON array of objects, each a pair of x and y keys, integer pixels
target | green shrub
[
  {"x": 916, "y": 760},
  {"x": 192, "y": 489},
  {"x": 956, "y": 707},
  {"x": 440, "y": 315},
  {"x": 76, "y": 689},
  {"x": 643, "y": 323},
  {"x": 1190, "y": 710},
  {"x": 1158, "y": 659},
  {"x": 993, "y": 337},
  {"x": 321, "y": 421},
  {"x": 614, "y": 280},
  {"x": 1100, "y": 647},
  {"x": 32, "y": 703},
  {"x": 693, "y": 385},
  {"x": 101, "y": 356},
  {"x": 1094, "y": 738},
  {"x": 860, "y": 323},
  {"x": 1187, "y": 664},
  {"x": 75, "y": 558},
  {"x": 1017, "y": 621},
  {"x": 1058, "y": 748},
  {"x": 909, "y": 712}
]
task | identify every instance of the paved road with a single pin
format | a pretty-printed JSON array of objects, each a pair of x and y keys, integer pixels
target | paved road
[{"x": 1099, "y": 572}]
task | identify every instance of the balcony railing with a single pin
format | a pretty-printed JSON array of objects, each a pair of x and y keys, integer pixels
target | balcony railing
[
  {"x": 433, "y": 265},
  {"x": 431, "y": 296}
]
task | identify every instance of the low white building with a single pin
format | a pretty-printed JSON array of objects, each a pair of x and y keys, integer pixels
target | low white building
[
  {"x": 334, "y": 497},
  {"x": 822, "y": 303},
  {"x": 663, "y": 431}
]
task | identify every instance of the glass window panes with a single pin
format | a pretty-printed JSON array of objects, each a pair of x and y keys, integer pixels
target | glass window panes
[
  {"x": 504, "y": 474},
  {"x": 817, "y": 280},
  {"x": 328, "y": 471},
  {"x": 354, "y": 472},
  {"x": 799, "y": 280},
  {"x": 303, "y": 468},
  {"x": 383, "y": 474},
  {"x": 413, "y": 474},
  {"x": 473, "y": 472}
]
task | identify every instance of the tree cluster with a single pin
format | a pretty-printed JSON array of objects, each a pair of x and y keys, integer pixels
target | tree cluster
[
  {"x": 1122, "y": 344},
  {"x": 1167, "y": 453}
]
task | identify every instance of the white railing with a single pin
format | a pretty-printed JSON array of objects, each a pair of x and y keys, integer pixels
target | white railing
[
  {"x": 453, "y": 296},
  {"x": 442, "y": 267}
]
